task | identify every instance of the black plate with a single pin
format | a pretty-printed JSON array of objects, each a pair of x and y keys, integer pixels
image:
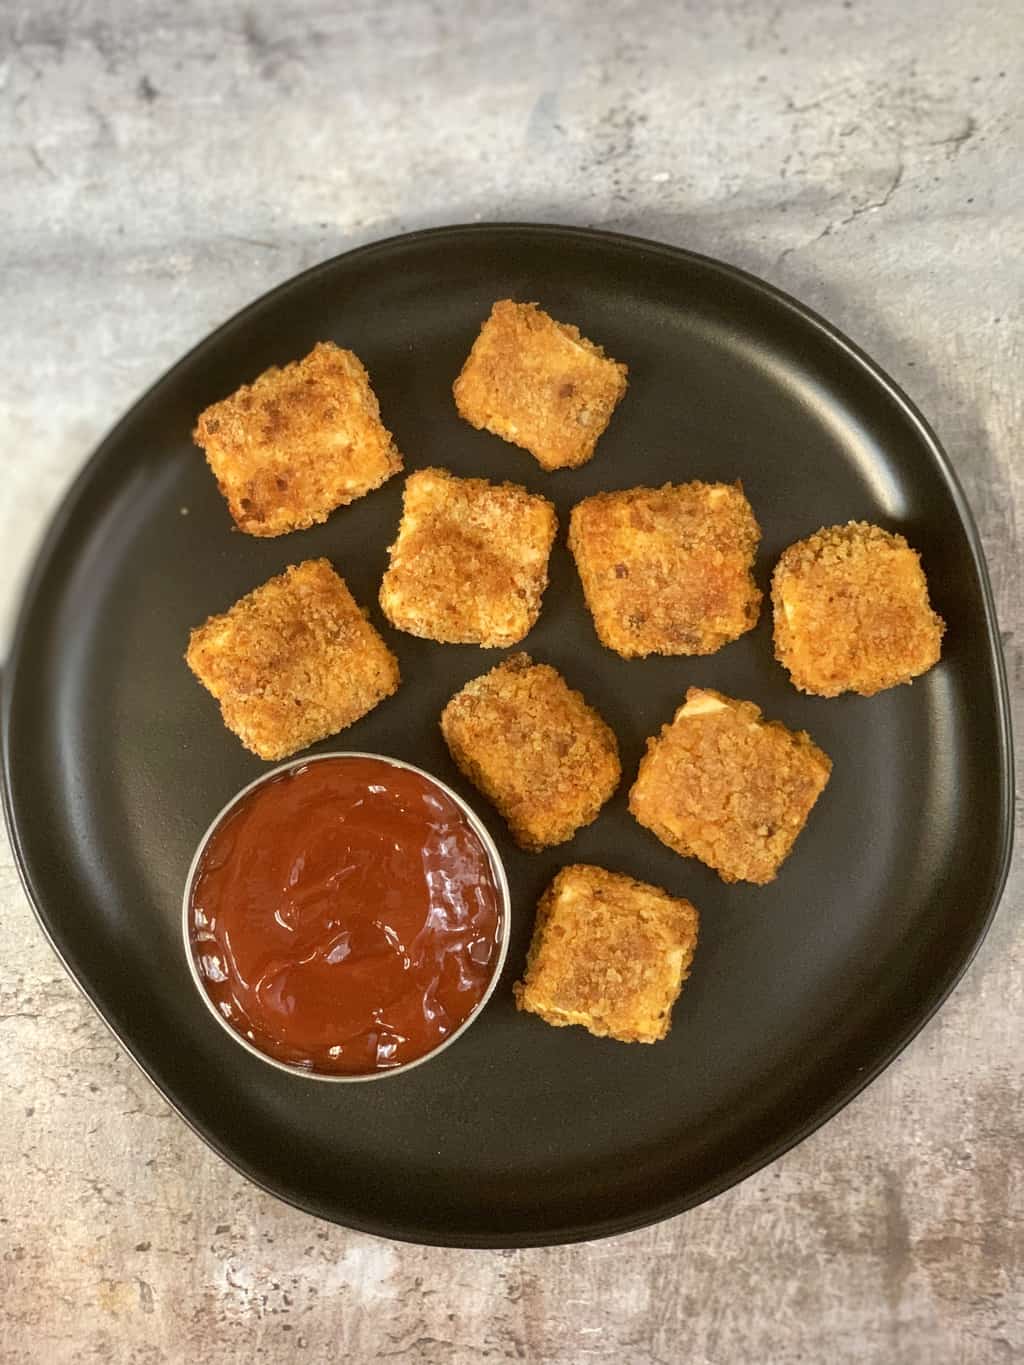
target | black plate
[{"x": 115, "y": 759}]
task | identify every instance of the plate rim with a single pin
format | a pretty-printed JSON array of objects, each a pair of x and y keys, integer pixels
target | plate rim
[{"x": 767, "y": 1152}]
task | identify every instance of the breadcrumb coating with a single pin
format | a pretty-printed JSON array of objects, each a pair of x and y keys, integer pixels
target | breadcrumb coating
[
  {"x": 851, "y": 612},
  {"x": 539, "y": 384},
  {"x": 535, "y": 749},
  {"x": 609, "y": 953},
  {"x": 293, "y": 661},
  {"x": 668, "y": 570},
  {"x": 298, "y": 442},
  {"x": 470, "y": 563},
  {"x": 724, "y": 785}
]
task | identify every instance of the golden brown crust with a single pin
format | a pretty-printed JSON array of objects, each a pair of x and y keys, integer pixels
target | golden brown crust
[
  {"x": 539, "y": 384},
  {"x": 852, "y": 613},
  {"x": 535, "y": 749},
  {"x": 724, "y": 785},
  {"x": 667, "y": 570},
  {"x": 293, "y": 661},
  {"x": 298, "y": 442},
  {"x": 609, "y": 953},
  {"x": 470, "y": 563}
]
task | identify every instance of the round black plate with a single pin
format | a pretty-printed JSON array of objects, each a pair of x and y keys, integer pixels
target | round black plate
[{"x": 115, "y": 758}]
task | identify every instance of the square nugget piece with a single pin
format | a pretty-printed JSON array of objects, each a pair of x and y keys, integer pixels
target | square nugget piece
[
  {"x": 539, "y": 384},
  {"x": 471, "y": 560},
  {"x": 725, "y": 786},
  {"x": 852, "y": 612},
  {"x": 534, "y": 748},
  {"x": 293, "y": 661},
  {"x": 668, "y": 570},
  {"x": 298, "y": 442},
  {"x": 608, "y": 953}
]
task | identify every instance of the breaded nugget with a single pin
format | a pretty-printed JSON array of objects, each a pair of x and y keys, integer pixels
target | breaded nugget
[
  {"x": 609, "y": 953},
  {"x": 534, "y": 748},
  {"x": 298, "y": 442},
  {"x": 852, "y": 612},
  {"x": 470, "y": 563},
  {"x": 293, "y": 661},
  {"x": 539, "y": 384},
  {"x": 668, "y": 570},
  {"x": 725, "y": 786}
]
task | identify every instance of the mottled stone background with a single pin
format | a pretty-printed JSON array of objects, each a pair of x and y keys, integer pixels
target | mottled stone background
[{"x": 160, "y": 165}]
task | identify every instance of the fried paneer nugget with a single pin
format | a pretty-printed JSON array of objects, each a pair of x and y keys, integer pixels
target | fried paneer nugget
[
  {"x": 293, "y": 661},
  {"x": 539, "y": 384},
  {"x": 852, "y": 613},
  {"x": 534, "y": 748},
  {"x": 667, "y": 570},
  {"x": 300, "y": 441},
  {"x": 609, "y": 953},
  {"x": 470, "y": 563},
  {"x": 725, "y": 786}
]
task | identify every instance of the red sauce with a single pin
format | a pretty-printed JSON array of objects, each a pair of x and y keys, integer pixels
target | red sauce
[{"x": 345, "y": 916}]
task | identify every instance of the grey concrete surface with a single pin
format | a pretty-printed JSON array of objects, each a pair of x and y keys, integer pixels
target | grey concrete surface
[{"x": 162, "y": 164}]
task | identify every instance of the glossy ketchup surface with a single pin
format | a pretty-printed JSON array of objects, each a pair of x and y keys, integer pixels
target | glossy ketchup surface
[{"x": 345, "y": 916}]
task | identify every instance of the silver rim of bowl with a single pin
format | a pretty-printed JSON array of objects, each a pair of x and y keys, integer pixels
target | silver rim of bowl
[{"x": 497, "y": 866}]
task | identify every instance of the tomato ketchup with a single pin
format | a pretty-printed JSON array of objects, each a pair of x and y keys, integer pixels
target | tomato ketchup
[{"x": 345, "y": 916}]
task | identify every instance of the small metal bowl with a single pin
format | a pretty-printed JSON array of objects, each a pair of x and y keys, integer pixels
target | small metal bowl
[{"x": 501, "y": 881}]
